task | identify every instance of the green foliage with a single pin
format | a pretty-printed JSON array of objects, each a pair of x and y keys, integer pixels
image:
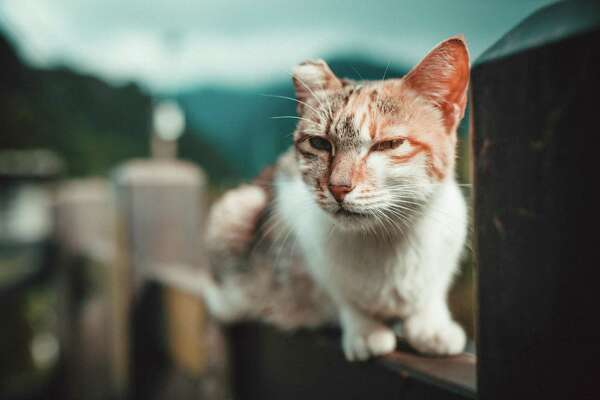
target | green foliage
[{"x": 92, "y": 125}]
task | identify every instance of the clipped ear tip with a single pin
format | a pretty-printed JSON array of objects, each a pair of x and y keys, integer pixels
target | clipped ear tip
[
  {"x": 314, "y": 71},
  {"x": 310, "y": 65},
  {"x": 458, "y": 43},
  {"x": 313, "y": 61},
  {"x": 443, "y": 75},
  {"x": 311, "y": 76},
  {"x": 459, "y": 38}
]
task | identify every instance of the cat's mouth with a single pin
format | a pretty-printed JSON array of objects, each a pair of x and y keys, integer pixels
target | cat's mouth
[{"x": 344, "y": 212}]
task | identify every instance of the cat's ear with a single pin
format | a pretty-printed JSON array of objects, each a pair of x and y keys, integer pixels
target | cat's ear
[
  {"x": 313, "y": 76},
  {"x": 443, "y": 78}
]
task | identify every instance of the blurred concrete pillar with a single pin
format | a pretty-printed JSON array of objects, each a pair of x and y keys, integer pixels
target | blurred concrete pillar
[{"x": 162, "y": 205}]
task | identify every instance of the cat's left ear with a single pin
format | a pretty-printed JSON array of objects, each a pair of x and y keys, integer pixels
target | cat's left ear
[
  {"x": 314, "y": 76},
  {"x": 443, "y": 78}
]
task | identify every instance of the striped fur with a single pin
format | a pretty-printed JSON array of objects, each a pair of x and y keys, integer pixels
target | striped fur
[{"x": 362, "y": 220}]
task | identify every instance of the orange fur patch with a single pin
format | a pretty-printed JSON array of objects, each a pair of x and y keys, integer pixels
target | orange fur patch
[
  {"x": 372, "y": 130},
  {"x": 406, "y": 157},
  {"x": 435, "y": 169}
]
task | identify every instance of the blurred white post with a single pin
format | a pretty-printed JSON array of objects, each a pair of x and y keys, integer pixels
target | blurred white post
[
  {"x": 161, "y": 202},
  {"x": 94, "y": 292},
  {"x": 162, "y": 205},
  {"x": 168, "y": 124}
]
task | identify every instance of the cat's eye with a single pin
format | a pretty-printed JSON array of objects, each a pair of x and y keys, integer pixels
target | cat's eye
[
  {"x": 319, "y": 143},
  {"x": 387, "y": 145}
]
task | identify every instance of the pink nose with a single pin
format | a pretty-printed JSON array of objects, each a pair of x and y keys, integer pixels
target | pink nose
[{"x": 340, "y": 191}]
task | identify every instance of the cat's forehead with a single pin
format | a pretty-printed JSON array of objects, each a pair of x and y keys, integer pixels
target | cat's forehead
[{"x": 358, "y": 110}]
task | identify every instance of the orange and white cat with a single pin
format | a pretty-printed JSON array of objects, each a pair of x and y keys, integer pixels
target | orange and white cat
[{"x": 362, "y": 221}]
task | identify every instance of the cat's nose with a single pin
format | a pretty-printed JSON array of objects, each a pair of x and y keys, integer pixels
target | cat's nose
[{"x": 340, "y": 191}]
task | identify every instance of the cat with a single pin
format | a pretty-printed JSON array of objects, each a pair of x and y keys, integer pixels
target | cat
[{"x": 361, "y": 221}]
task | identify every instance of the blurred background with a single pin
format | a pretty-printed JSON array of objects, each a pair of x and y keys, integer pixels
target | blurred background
[
  {"x": 81, "y": 84},
  {"x": 80, "y": 77}
]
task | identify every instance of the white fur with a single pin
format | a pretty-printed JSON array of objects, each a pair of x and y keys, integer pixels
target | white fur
[
  {"x": 369, "y": 278},
  {"x": 385, "y": 249}
]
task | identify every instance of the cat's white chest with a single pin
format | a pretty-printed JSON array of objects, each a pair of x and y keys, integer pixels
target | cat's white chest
[
  {"x": 387, "y": 279},
  {"x": 379, "y": 278}
]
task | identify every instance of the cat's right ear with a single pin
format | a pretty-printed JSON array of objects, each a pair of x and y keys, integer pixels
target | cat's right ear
[
  {"x": 443, "y": 78},
  {"x": 311, "y": 77}
]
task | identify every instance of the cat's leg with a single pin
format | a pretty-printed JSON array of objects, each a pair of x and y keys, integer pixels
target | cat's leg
[
  {"x": 363, "y": 337},
  {"x": 226, "y": 304},
  {"x": 431, "y": 329}
]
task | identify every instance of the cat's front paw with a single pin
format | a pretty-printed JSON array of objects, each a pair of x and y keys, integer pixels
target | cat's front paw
[
  {"x": 435, "y": 337},
  {"x": 360, "y": 345}
]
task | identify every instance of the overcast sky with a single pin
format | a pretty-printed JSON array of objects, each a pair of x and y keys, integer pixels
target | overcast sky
[{"x": 171, "y": 44}]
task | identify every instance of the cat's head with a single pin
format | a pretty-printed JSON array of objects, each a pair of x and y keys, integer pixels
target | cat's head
[{"x": 372, "y": 152}]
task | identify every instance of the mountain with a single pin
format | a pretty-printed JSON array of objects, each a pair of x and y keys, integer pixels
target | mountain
[
  {"x": 240, "y": 123},
  {"x": 92, "y": 125}
]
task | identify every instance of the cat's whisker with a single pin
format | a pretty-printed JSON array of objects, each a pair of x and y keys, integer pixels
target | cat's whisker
[
  {"x": 313, "y": 94},
  {"x": 433, "y": 214},
  {"x": 270, "y": 225},
  {"x": 319, "y": 112},
  {"x": 382, "y": 219},
  {"x": 383, "y": 79},
  {"x": 403, "y": 210},
  {"x": 408, "y": 207},
  {"x": 295, "y": 117},
  {"x": 327, "y": 101},
  {"x": 398, "y": 225},
  {"x": 283, "y": 235}
]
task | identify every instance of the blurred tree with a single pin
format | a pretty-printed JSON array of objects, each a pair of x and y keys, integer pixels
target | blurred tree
[{"x": 90, "y": 123}]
